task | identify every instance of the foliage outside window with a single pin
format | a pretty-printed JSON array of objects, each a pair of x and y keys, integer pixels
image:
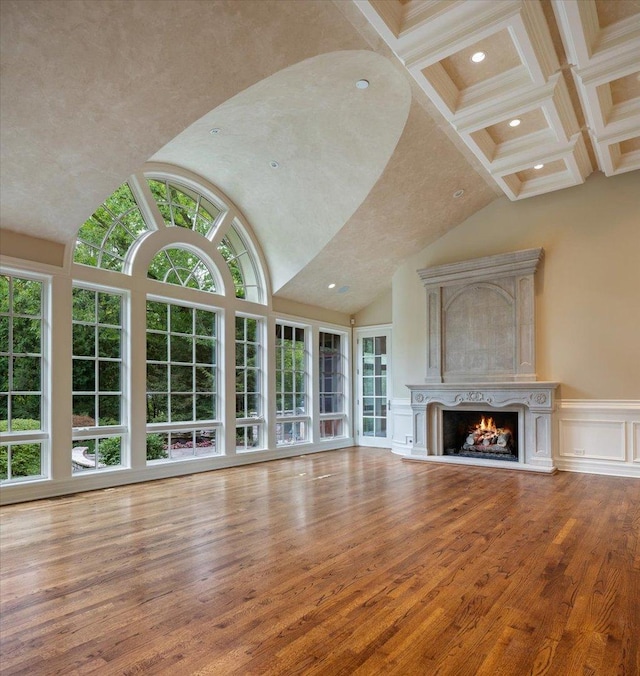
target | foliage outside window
[
  {"x": 181, "y": 267},
  {"x": 183, "y": 208},
  {"x": 241, "y": 266},
  {"x": 105, "y": 238},
  {"x": 291, "y": 385},
  {"x": 332, "y": 385},
  {"x": 97, "y": 378},
  {"x": 21, "y": 378},
  {"x": 248, "y": 385},
  {"x": 181, "y": 381}
]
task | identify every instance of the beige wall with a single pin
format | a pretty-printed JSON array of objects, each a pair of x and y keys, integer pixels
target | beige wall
[
  {"x": 377, "y": 313},
  {"x": 587, "y": 288},
  {"x": 34, "y": 249},
  {"x": 291, "y": 307}
]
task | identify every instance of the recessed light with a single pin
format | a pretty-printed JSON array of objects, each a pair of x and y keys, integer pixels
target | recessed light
[
  {"x": 332, "y": 286},
  {"x": 362, "y": 84},
  {"x": 273, "y": 164},
  {"x": 214, "y": 131},
  {"x": 514, "y": 123},
  {"x": 478, "y": 57},
  {"x": 538, "y": 166},
  {"x": 458, "y": 193}
]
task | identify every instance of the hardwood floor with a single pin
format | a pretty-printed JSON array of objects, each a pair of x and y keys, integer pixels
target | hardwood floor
[{"x": 347, "y": 562}]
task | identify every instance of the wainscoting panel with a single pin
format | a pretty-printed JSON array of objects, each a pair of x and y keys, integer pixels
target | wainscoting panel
[
  {"x": 402, "y": 415},
  {"x": 596, "y": 439},
  {"x": 599, "y": 437},
  {"x": 592, "y": 436}
]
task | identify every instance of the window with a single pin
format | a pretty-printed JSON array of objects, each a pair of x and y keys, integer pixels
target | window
[
  {"x": 332, "y": 385},
  {"x": 22, "y": 337},
  {"x": 181, "y": 267},
  {"x": 241, "y": 265},
  {"x": 184, "y": 208},
  {"x": 181, "y": 381},
  {"x": 97, "y": 380},
  {"x": 105, "y": 239},
  {"x": 291, "y": 385},
  {"x": 249, "y": 420}
]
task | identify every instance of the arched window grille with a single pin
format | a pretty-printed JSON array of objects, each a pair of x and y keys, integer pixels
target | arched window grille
[{"x": 181, "y": 267}]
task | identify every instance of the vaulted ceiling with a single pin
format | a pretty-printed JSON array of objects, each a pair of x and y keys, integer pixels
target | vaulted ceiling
[{"x": 92, "y": 90}]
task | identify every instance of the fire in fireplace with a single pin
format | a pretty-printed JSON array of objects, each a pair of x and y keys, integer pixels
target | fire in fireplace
[{"x": 479, "y": 434}]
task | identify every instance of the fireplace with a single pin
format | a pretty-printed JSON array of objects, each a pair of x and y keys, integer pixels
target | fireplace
[
  {"x": 480, "y": 359},
  {"x": 490, "y": 434}
]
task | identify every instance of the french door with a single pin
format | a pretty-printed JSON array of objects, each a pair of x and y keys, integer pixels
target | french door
[{"x": 373, "y": 377}]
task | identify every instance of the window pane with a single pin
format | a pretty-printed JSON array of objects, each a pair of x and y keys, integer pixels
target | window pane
[
  {"x": 109, "y": 407},
  {"x": 157, "y": 408},
  {"x": 157, "y": 315},
  {"x": 84, "y": 378},
  {"x": 26, "y": 374},
  {"x": 85, "y": 406},
  {"x": 109, "y": 309},
  {"x": 26, "y": 460},
  {"x": 181, "y": 407},
  {"x": 181, "y": 319},
  {"x": 181, "y": 349},
  {"x": 109, "y": 376},
  {"x": 109, "y": 342},
  {"x": 84, "y": 340},
  {"x": 27, "y": 297},
  {"x": 26, "y": 407},
  {"x": 26, "y": 335},
  {"x": 157, "y": 346},
  {"x": 157, "y": 378}
]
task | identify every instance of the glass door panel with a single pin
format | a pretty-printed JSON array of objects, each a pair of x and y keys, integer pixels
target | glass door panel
[{"x": 373, "y": 375}]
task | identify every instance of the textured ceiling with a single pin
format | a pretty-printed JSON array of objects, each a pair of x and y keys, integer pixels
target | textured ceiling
[
  {"x": 330, "y": 139},
  {"x": 91, "y": 90}
]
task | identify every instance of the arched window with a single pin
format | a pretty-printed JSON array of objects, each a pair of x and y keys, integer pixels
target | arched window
[
  {"x": 152, "y": 204},
  {"x": 184, "y": 208},
  {"x": 166, "y": 234},
  {"x": 182, "y": 267},
  {"x": 105, "y": 238}
]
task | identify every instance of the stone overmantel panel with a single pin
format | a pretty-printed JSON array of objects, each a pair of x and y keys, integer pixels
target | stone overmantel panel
[{"x": 481, "y": 319}]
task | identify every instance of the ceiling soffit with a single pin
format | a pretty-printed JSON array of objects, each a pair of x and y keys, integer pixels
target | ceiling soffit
[{"x": 522, "y": 78}]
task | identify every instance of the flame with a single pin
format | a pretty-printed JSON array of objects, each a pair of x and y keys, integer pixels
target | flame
[{"x": 486, "y": 425}]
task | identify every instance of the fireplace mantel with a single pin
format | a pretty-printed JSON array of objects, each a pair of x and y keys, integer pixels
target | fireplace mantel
[{"x": 534, "y": 401}]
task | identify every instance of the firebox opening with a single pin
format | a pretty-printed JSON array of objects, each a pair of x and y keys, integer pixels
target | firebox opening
[{"x": 490, "y": 435}]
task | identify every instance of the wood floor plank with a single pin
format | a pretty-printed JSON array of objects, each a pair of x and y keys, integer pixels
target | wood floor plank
[{"x": 345, "y": 562}]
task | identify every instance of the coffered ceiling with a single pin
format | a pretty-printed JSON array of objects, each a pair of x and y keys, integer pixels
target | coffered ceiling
[{"x": 543, "y": 93}]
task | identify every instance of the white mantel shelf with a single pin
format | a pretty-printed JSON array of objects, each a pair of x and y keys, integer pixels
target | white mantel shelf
[{"x": 534, "y": 401}]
